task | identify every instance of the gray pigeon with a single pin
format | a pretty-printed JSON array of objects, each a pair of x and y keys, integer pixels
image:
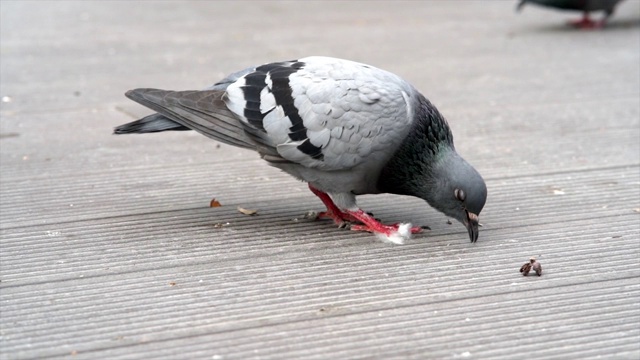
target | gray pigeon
[
  {"x": 586, "y": 6},
  {"x": 343, "y": 127}
]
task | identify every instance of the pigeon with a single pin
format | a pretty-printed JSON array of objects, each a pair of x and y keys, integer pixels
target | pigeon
[
  {"x": 343, "y": 127},
  {"x": 586, "y": 6}
]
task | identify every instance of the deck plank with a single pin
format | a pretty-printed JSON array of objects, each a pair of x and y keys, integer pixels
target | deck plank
[{"x": 108, "y": 248}]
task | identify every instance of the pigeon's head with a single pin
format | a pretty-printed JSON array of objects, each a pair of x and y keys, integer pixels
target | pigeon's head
[{"x": 457, "y": 190}]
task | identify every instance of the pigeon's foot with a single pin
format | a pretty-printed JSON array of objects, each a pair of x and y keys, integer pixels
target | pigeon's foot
[
  {"x": 362, "y": 221},
  {"x": 586, "y": 23},
  {"x": 395, "y": 233},
  {"x": 341, "y": 218}
]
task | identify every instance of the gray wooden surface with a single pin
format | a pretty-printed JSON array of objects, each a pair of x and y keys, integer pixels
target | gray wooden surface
[{"x": 109, "y": 249}]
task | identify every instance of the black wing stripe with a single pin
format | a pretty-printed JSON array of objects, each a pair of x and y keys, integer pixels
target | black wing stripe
[
  {"x": 279, "y": 74},
  {"x": 254, "y": 83},
  {"x": 308, "y": 148}
]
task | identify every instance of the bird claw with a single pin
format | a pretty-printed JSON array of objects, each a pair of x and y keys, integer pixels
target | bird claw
[
  {"x": 419, "y": 229},
  {"x": 387, "y": 229},
  {"x": 586, "y": 23},
  {"x": 414, "y": 229},
  {"x": 339, "y": 217}
]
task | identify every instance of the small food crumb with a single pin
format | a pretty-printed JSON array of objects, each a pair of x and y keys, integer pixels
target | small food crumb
[
  {"x": 534, "y": 265},
  {"x": 172, "y": 283},
  {"x": 250, "y": 212},
  {"x": 311, "y": 215},
  {"x": 214, "y": 203}
]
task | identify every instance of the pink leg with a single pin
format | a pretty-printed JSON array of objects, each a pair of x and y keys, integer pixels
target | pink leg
[
  {"x": 586, "y": 22},
  {"x": 333, "y": 212}
]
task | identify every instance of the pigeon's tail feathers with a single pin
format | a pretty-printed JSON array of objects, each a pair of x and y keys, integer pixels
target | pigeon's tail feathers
[
  {"x": 202, "y": 111},
  {"x": 149, "y": 124}
]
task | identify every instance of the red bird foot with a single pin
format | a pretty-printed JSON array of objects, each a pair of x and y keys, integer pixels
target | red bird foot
[
  {"x": 341, "y": 218},
  {"x": 586, "y": 23},
  {"x": 395, "y": 233}
]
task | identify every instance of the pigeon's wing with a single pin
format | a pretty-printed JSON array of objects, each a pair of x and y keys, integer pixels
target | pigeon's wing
[
  {"x": 318, "y": 112},
  {"x": 203, "y": 111},
  {"x": 324, "y": 113},
  {"x": 158, "y": 122}
]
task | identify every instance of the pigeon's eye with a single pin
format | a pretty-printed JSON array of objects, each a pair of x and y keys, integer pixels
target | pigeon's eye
[{"x": 460, "y": 195}]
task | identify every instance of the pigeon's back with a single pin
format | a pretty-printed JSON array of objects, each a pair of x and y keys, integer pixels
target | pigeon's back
[{"x": 324, "y": 113}]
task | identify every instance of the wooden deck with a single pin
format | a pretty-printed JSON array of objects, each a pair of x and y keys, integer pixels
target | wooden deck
[{"x": 109, "y": 249}]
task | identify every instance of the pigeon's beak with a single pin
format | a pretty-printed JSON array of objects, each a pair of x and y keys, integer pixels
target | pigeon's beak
[{"x": 472, "y": 226}]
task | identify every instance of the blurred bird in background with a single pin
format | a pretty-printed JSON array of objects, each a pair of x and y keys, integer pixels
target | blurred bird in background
[{"x": 586, "y": 6}]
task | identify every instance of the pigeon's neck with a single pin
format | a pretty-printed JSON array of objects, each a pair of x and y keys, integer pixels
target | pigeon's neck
[{"x": 412, "y": 166}]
